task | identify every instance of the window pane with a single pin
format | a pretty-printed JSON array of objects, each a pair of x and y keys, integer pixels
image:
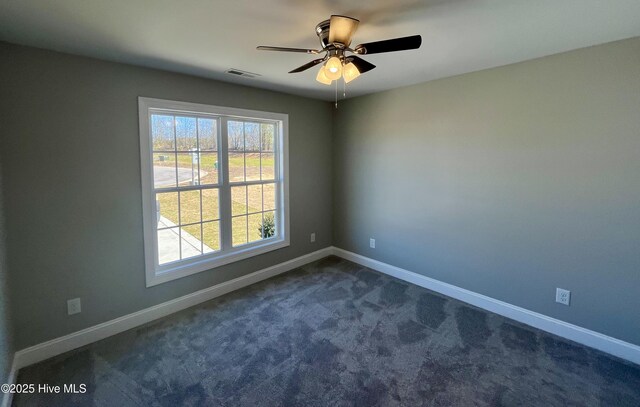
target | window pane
[
  {"x": 252, "y": 163},
  {"x": 189, "y": 207},
  {"x": 164, "y": 170},
  {"x": 162, "y": 132},
  {"x": 254, "y": 193},
  {"x": 167, "y": 209},
  {"x": 191, "y": 243},
  {"x": 268, "y": 228},
  {"x": 236, "y": 167},
  {"x": 238, "y": 200},
  {"x": 188, "y": 169},
  {"x": 267, "y": 133},
  {"x": 268, "y": 166},
  {"x": 211, "y": 235},
  {"x": 208, "y": 168},
  {"x": 267, "y": 140},
  {"x": 186, "y": 137},
  {"x": 269, "y": 195},
  {"x": 168, "y": 246},
  {"x": 235, "y": 131},
  {"x": 208, "y": 134},
  {"x": 255, "y": 227},
  {"x": 239, "y": 230},
  {"x": 252, "y": 136},
  {"x": 210, "y": 204},
  {"x": 252, "y": 151}
]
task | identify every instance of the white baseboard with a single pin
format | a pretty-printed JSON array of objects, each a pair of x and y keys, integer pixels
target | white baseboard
[
  {"x": 54, "y": 347},
  {"x": 7, "y": 398},
  {"x": 566, "y": 330}
]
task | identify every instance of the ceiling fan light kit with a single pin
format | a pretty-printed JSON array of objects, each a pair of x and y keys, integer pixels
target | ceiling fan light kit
[
  {"x": 333, "y": 68},
  {"x": 335, "y": 35},
  {"x": 350, "y": 72},
  {"x": 322, "y": 77}
]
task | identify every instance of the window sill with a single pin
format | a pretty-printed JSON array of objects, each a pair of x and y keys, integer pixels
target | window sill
[{"x": 199, "y": 265}]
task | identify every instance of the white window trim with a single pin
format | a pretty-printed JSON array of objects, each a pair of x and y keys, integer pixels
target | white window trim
[{"x": 156, "y": 274}]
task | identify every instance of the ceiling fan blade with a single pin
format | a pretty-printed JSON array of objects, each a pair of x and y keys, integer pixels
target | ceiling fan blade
[
  {"x": 362, "y": 65},
  {"x": 396, "y": 44},
  {"x": 284, "y": 49},
  {"x": 307, "y": 65},
  {"x": 341, "y": 29}
]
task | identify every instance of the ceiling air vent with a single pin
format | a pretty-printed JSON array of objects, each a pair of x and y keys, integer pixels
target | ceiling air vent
[{"x": 239, "y": 72}]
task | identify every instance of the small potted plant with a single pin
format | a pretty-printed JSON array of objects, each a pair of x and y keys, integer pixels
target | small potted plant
[{"x": 268, "y": 227}]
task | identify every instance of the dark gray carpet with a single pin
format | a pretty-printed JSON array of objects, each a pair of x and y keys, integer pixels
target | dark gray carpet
[{"x": 336, "y": 334}]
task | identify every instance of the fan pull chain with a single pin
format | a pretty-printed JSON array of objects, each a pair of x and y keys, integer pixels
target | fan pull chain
[
  {"x": 344, "y": 89},
  {"x": 336, "y": 94}
]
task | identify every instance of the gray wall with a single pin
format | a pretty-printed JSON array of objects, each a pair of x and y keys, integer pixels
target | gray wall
[
  {"x": 71, "y": 160},
  {"x": 6, "y": 350},
  {"x": 508, "y": 182}
]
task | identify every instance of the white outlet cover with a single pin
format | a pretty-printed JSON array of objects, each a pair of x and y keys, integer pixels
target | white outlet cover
[
  {"x": 74, "y": 306},
  {"x": 313, "y": 238},
  {"x": 372, "y": 243},
  {"x": 563, "y": 296}
]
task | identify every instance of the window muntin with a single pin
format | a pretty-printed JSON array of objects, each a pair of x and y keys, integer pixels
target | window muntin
[{"x": 217, "y": 184}]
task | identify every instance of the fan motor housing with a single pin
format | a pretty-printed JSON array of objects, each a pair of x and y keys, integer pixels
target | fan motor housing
[{"x": 322, "y": 30}]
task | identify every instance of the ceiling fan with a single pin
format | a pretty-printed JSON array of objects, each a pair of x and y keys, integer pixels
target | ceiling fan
[{"x": 335, "y": 37}]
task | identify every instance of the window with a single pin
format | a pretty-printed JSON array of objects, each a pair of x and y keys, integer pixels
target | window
[{"x": 214, "y": 186}]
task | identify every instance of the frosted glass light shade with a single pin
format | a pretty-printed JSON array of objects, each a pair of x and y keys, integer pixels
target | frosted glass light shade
[
  {"x": 333, "y": 68},
  {"x": 322, "y": 77},
  {"x": 350, "y": 72}
]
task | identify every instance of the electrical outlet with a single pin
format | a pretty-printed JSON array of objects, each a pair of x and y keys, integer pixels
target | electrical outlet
[
  {"x": 563, "y": 296},
  {"x": 372, "y": 243},
  {"x": 74, "y": 306},
  {"x": 312, "y": 239}
]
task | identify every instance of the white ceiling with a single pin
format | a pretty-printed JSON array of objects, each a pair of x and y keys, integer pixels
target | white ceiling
[{"x": 205, "y": 37}]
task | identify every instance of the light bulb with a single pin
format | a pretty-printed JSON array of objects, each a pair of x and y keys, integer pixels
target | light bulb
[
  {"x": 333, "y": 68},
  {"x": 322, "y": 77},
  {"x": 350, "y": 72}
]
